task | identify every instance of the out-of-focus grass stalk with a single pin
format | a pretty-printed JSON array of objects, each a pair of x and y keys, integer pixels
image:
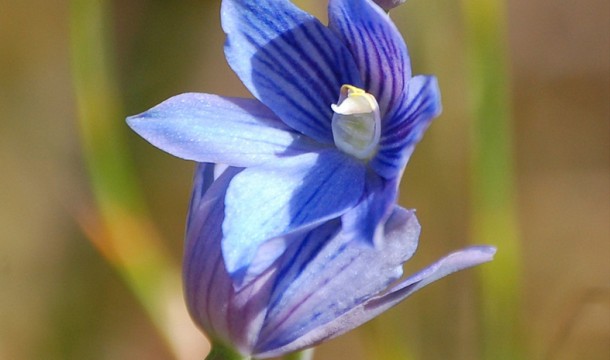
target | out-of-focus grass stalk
[
  {"x": 494, "y": 212},
  {"x": 119, "y": 227}
]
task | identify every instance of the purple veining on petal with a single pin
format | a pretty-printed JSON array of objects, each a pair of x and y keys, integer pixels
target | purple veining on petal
[
  {"x": 337, "y": 278},
  {"x": 289, "y": 61},
  {"x": 307, "y": 190},
  {"x": 364, "y": 312},
  {"x": 406, "y": 126},
  {"x": 377, "y": 46},
  {"x": 292, "y": 240},
  {"x": 203, "y": 267}
]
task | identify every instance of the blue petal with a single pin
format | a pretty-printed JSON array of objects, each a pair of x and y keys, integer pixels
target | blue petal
[
  {"x": 329, "y": 274},
  {"x": 365, "y": 221},
  {"x": 211, "y": 128},
  {"x": 289, "y": 61},
  {"x": 377, "y": 46},
  {"x": 459, "y": 260},
  {"x": 268, "y": 201},
  {"x": 374, "y": 306},
  {"x": 208, "y": 288},
  {"x": 225, "y": 314},
  {"x": 202, "y": 181},
  {"x": 407, "y": 125}
]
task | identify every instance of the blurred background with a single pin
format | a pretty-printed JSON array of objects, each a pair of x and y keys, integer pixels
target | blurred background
[{"x": 65, "y": 295}]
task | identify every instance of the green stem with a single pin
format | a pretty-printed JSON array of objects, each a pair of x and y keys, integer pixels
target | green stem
[
  {"x": 493, "y": 197},
  {"x": 119, "y": 227},
  {"x": 220, "y": 352}
]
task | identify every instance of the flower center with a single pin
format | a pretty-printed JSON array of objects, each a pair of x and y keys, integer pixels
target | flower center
[{"x": 356, "y": 122}]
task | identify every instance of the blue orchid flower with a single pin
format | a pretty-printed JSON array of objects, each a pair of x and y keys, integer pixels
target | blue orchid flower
[
  {"x": 324, "y": 284},
  {"x": 336, "y": 118},
  {"x": 296, "y": 237}
]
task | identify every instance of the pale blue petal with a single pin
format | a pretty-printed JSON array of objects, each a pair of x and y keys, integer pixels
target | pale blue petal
[
  {"x": 271, "y": 200},
  {"x": 329, "y": 274},
  {"x": 374, "y": 306},
  {"x": 406, "y": 126},
  {"x": 289, "y": 61},
  {"x": 211, "y": 128},
  {"x": 377, "y": 46},
  {"x": 459, "y": 260}
]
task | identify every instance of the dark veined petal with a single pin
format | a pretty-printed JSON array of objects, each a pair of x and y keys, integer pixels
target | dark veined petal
[
  {"x": 289, "y": 61},
  {"x": 211, "y": 128},
  {"x": 207, "y": 286},
  {"x": 271, "y": 200},
  {"x": 377, "y": 46},
  {"x": 326, "y": 274},
  {"x": 205, "y": 175},
  {"x": 365, "y": 221},
  {"x": 406, "y": 126},
  {"x": 374, "y": 306},
  {"x": 226, "y": 315}
]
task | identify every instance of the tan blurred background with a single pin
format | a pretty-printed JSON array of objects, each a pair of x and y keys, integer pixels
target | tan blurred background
[{"x": 60, "y": 300}]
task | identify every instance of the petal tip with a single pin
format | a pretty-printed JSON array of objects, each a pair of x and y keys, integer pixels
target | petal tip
[
  {"x": 486, "y": 250},
  {"x": 133, "y": 121}
]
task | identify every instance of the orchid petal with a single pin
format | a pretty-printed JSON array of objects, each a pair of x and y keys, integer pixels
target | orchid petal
[
  {"x": 202, "y": 181},
  {"x": 207, "y": 285},
  {"x": 289, "y": 61},
  {"x": 371, "y": 308},
  {"x": 214, "y": 304},
  {"x": 377, "y": 46},
  {"x": 365, "y": 221},
  {"x": 211, "y": 128},
  {"x": 407, "y": 126},
  {"x": 459, "y": 260},
  {"x": 271, "y": 200},
  {"x": 329, "y": 275}
]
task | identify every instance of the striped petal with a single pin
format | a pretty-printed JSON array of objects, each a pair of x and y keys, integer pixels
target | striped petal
[
  {"x": 365, "y": 221},
  {"x": 211, "y": 128},
  {"x": 271, "y": 200},
  {"x": 289, "y": 61},
  {"x": 332, "y": 273},
  {"x": 421, "y": 104},
  {"x": 205, "y": 175},
  {"x": 225, "y": 314},
  {"x": 377, "y": 46},
  {"x": 207, "y": 285},
  {"x": 376, "y": 305}
]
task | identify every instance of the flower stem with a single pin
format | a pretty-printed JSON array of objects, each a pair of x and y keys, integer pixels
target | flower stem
[
  {"x": 493, "y": 197},
  {"x": 220, "y": 352}
]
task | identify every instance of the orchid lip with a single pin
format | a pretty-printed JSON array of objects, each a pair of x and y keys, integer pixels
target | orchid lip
[{"x": 356, "y": 123}]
